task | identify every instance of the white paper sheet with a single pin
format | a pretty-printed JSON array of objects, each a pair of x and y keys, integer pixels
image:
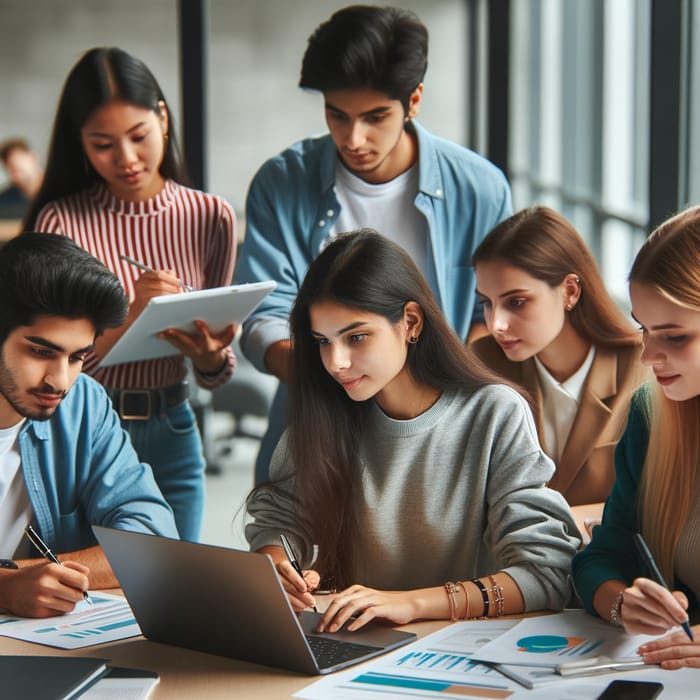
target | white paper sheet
[{"x": 108, "y": 618}]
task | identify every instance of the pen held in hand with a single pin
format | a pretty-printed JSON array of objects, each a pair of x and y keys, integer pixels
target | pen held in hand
[
  {"x": 292, "y": 559},
  {"x": 145, "y": 268},
  {"x": 43, "y": 549},
  {"x": 645, "y": 553}
]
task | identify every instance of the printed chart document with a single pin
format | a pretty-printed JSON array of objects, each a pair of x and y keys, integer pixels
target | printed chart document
[
  {"x": 108, "y": 618},
  {"x": 550, "y": 640},
  {"x": 442, "y": 666},
  {"x": 218, "y": 307}
]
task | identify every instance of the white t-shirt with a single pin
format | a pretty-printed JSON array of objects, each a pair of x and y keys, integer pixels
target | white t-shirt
[
  {"x": 387, "y": 207},
  {"x": 16, "y": 510},
  {"x": 560, "y": 404}
]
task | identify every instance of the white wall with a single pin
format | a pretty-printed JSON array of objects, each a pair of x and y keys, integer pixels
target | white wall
[{"x": 256, "y": 47}]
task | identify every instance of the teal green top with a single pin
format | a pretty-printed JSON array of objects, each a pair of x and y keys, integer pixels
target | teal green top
[{"x": 611, "y": 554}]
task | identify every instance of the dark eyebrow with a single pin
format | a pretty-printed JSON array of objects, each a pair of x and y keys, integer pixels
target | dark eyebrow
[
  {"x": 350, "y": 327},
  {"x": 37, "y": 340},
  {"x": 383, "y": 109},
  {"x": 661, "y": 327},
  {"x": 505, "y": 294},
  {"x": 107, "y": 136}
]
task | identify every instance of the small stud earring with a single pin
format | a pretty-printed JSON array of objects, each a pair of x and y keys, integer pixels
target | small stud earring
[{"x": 569, "y": 307}]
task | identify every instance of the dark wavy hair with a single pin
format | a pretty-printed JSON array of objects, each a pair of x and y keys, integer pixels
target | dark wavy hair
[
  {"x": 366, "y": 46},
  {"x": 360, "y": 270},
  {"x": 544, "y": 244},
  {"x": 42, "y": 274},
  {"x": 102, "y": 75}
]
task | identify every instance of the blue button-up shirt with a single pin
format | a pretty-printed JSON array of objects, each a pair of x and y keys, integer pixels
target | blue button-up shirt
[
  {"x": 290, "y": 212},
  {"x": 81, "y": 470}
]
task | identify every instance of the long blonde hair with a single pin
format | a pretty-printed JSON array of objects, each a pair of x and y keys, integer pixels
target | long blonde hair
[{"x": 669, "y": 261}]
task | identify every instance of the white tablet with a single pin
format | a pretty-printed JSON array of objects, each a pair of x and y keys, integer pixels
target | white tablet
[{"x": 217, "y": 307}]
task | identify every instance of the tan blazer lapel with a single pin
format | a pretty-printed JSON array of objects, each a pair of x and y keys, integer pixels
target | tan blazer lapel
[
  {"x": 529, "y": 380},
  {"x": 593, "y": 413}
]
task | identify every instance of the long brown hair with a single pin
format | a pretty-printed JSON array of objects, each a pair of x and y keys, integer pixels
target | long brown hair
[
  {"x": 544, "y": 244},
  {"x": 366, "y": 271},
  {"x": 669, "y": 261}
]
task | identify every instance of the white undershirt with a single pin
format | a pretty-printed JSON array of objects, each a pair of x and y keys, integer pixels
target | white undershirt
[
  {"x": 387, "y": 207},
  {"x": 560, "y": 404},
  {"x": 16, "y": 511}
]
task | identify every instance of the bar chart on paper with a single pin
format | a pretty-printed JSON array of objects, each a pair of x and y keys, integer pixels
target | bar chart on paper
[
  {"x": 437, "y": 666},
  {"x": 108, "y": 618}
]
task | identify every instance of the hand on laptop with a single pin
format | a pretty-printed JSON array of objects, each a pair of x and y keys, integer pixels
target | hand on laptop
[
  {"x": 365, "y": 604},
  {"x": 43, "y": 590},
  {"x": 298, "y": 589}
]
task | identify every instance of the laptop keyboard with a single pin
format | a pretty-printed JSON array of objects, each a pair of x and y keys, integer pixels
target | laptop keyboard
[{"x": 329, "y": 652}]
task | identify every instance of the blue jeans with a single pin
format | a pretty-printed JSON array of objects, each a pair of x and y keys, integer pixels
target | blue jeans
[{"x": 172, "y": 446}]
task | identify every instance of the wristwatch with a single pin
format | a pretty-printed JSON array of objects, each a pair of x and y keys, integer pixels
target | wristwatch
[{"x": 8, "y": 564}]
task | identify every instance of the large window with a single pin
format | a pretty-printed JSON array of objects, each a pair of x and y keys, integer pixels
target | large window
[{"x": 579, "y": 125}]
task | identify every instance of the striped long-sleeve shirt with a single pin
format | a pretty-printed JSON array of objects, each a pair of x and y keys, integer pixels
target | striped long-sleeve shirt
[{"x": 180, "y": 229}]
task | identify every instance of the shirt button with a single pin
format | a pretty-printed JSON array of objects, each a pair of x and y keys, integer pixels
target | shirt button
[
  {"x": 438, "y": 193},
  {"x": 330, "y": 213},
  {"x": 322, "y": 223}
]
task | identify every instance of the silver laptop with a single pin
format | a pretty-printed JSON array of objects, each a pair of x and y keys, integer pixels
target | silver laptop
[{"x": 231, "y": 603}]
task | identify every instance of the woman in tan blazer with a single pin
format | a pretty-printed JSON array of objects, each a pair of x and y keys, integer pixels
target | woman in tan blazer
[{"x": 555, "y": 331}]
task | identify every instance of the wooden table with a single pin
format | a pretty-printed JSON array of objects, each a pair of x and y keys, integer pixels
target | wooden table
[{"x": 192, "y": 675}]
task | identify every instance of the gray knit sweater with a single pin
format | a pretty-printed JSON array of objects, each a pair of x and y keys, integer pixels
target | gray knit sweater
[{"x": 455, "y": 493}]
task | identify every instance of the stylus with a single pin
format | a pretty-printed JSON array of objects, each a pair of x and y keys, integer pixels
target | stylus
[
  {"x": 292, "y": 559},
  {"x": 145, "y": 268},
  {"x": 658, "y": 577}
]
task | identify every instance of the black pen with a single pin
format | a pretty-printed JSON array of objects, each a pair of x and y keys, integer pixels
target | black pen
[
  {"x": 658, "y": 577},
  {"x": 43, "y": 548},
  {"x": 292, "y": 559},
  {"x": 145, "y": 268}
]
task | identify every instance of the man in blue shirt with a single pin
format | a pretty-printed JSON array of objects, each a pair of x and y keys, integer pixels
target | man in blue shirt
[
  {"x": 377, "y": 168},
  {"x": 65, "y": 462}
]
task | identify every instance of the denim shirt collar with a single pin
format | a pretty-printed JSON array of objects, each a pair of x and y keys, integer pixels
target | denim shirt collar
[{"x": 429, "y": 177}]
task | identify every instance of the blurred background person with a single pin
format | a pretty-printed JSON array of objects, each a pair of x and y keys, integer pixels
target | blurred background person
[{"x": 25, "y": 175}]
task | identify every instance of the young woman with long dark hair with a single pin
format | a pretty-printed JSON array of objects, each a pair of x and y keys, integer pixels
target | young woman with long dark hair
[
  {"x": 115, "y": 184},
  {"x": 416, "y": 476}
]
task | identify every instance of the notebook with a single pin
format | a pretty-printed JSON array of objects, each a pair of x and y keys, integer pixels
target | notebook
[
  {"x": 231, "y": 603},
  {"x": 218, "y": 307},
  {"x": 48, "y": 677}
]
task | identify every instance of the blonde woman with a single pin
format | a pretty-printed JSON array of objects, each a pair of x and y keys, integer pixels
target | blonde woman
[{"x": 656, "y": 491}]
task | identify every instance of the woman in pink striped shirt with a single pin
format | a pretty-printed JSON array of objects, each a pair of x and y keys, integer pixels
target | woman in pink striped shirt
[{"x": 114, "y": 183}]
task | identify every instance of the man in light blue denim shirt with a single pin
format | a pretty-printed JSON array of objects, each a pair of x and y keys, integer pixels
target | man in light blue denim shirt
[
  {"x": 377, "y": 168},
  {"x": 65, "y": 462}
]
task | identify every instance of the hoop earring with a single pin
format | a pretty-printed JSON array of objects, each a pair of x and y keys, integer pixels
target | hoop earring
[{"x": 413, "y": 339}]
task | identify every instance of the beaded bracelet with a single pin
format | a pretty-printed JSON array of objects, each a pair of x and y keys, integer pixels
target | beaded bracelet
[
  {"x": 484, "y": 594},
  {"x": 615, "y": 612},
  {"x": 498, "y": 595},
  {"x": 451, "y": 589},
  {"x": 466, "y": 597}
]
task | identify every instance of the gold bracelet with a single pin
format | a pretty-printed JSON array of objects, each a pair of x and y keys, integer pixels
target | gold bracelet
[
  {"x": 462, "y": 585},
  {"x": 451, "y": 589},
  {"x": 615, "y": 612},
  {"x": 498, "y": 594}
]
